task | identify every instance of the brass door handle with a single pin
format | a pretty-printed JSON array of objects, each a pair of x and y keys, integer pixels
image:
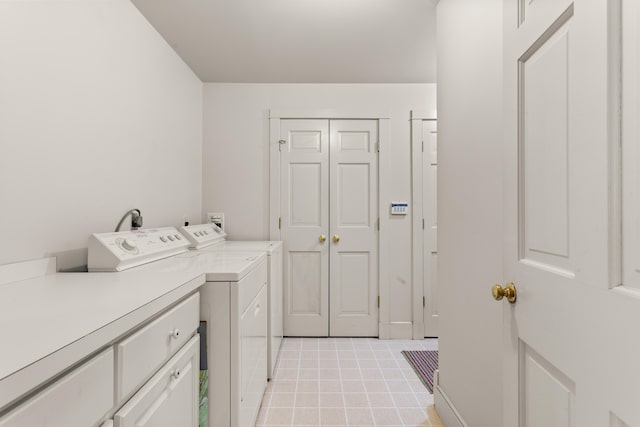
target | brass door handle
[
  {"x": 322, "y": 238},
  {"x": 336, "y": 238},
  {"x": 509, "y": 292}
]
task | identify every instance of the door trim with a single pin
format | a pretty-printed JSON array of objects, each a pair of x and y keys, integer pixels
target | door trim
[
  {"x": 327, "y": 113},
  {"x": 417, "y": 231}
]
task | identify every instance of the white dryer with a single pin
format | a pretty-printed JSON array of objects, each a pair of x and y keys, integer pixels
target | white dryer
[
  {"x": 233, "y": 303},
  {"x": 209, "y": 237}
]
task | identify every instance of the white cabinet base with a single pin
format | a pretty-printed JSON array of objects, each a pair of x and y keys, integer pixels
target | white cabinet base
[{"x": 167, "y": 400}]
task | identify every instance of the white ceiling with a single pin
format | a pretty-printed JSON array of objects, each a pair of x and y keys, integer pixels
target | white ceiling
[{"x": 300, "y": 41}]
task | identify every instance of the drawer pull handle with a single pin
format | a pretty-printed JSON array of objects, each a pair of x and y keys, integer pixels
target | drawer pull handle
[
  {"x": 175, "y": 334},
  {"x": 176, "y": 374}
]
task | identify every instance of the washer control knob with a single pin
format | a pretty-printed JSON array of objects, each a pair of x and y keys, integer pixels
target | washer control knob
[
  {"x": 177, "y": 236},
  {"x": 171, "y": 238},
  {"x": 129, "y": 245},
  {"x": 164, "y": 239}
]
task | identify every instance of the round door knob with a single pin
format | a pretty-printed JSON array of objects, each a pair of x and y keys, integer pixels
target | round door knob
[
  {"x": 336, "y": 238},
  {"x": 509, "y": 292},
  {"x": 175, "y": 334},
  {"x": 322, "y": 238},
  {"x": 176, "y": 374}
]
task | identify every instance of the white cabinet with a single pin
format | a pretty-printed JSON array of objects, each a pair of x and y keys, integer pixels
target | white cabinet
[
  {"x": 80, "y": 398},
  {"x": 169, "y": 398},
  {"x": 157, "y": 364}
]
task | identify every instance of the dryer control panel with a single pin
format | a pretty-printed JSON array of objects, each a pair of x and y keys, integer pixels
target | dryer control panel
[
  {"x": 203, "y": 235},
  {"x": 121, "y": 250}
]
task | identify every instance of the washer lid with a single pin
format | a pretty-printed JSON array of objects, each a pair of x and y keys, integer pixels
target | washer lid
[
  {"x": 216, "y": 266},
  {"x": 246, "y": 245}
]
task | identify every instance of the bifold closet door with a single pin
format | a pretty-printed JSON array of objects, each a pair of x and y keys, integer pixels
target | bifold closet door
[
  {"x": 353, "y": 258},
  {"x": 328, "y": 213},
  {"x": 304, "y": 180}
]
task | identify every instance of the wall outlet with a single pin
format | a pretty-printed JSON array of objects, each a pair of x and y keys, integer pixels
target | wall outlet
[{"x": 216, "y": 218}]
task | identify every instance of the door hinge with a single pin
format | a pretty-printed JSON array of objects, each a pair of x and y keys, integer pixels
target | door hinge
[
  {"x": 423, "y": 223},
  {"x": 378, "y": 301},
  {"x": 281, "y": 143},
  {"x": 424, "y": 301},
  {"x": 279, "y": 223},
  {"x": 423, "y": 146},
  {"x": 378, "y": 224},
  {"x": 377, "y": 147}
]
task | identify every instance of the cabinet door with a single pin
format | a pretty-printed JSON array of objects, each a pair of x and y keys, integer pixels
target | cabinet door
[
  {"x": 170, "y": 398},
  {"x": 80, "y": 398}
]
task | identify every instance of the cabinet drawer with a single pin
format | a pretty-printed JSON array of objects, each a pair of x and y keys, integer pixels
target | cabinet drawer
[
  {"x": 141, "y": 354},
  {"x": 80, "y": 398},
  {"x": 249, "y": 287},
  {"x": 170, "y": 398}
]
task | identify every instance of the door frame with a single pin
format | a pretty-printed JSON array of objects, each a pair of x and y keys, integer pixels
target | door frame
[
  {"x": 416, "y": 117},
  {"x": 275, "y": 115}
]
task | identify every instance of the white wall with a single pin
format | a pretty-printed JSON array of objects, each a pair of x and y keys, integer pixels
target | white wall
[
  {"x": 236, "y": 159},
  {"x": 97, "y": 115},
  {"x": 470, "y": 235}
]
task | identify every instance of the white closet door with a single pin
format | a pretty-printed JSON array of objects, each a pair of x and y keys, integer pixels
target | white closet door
[
  {"x": 354, "y": 234},
  {"x": 430, "y": 231},
  {"x": 304, "y": 169}
]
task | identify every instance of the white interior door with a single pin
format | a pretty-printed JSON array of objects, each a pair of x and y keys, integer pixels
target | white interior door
[
  {"x": 430, "y": 229},
  {"x": 353, "y": 228},
  {"x": 328, "y": 209},
  {"x": 304, "y": 192},
  {"x": 424, "y": 160},
  {"x": 571, "y": 346}
]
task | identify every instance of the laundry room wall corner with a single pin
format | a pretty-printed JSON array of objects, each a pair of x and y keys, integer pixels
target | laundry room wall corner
[
  {"x": 236, "y": 165},
  {"x": 98, "y": 115}
]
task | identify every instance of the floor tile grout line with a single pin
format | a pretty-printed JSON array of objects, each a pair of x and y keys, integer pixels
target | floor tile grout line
[
  {"x": 365, "y": 391},
  {"x": 295, "y": 390},
  {"x": 346, "y": 418}
]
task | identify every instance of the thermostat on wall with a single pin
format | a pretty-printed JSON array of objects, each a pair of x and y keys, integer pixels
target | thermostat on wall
[{"x": 399, "y": 208}]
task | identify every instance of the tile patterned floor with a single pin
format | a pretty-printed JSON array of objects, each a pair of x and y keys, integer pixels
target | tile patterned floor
[{"x": 347, "y": 382}]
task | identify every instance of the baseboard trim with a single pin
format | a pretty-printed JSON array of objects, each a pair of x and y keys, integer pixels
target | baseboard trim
[
  {"x": 418, "y": 330},
  {"x": 445, "y": 408},
  {"x": 396, "y": 331},
  {"x": 27, "y": 270}
]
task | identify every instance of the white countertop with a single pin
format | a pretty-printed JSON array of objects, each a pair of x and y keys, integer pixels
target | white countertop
[{"x": 52, "y": 322}]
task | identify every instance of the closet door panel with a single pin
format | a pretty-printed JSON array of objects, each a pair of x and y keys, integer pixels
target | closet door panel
[
  {"x": 354, "y": 236},
  {"x": 304, "y": 178}
]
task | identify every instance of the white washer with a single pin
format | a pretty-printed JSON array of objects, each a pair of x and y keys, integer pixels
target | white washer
[
  {"x": 233, "y": 302},
  {"x": 209, "y": 237}
]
